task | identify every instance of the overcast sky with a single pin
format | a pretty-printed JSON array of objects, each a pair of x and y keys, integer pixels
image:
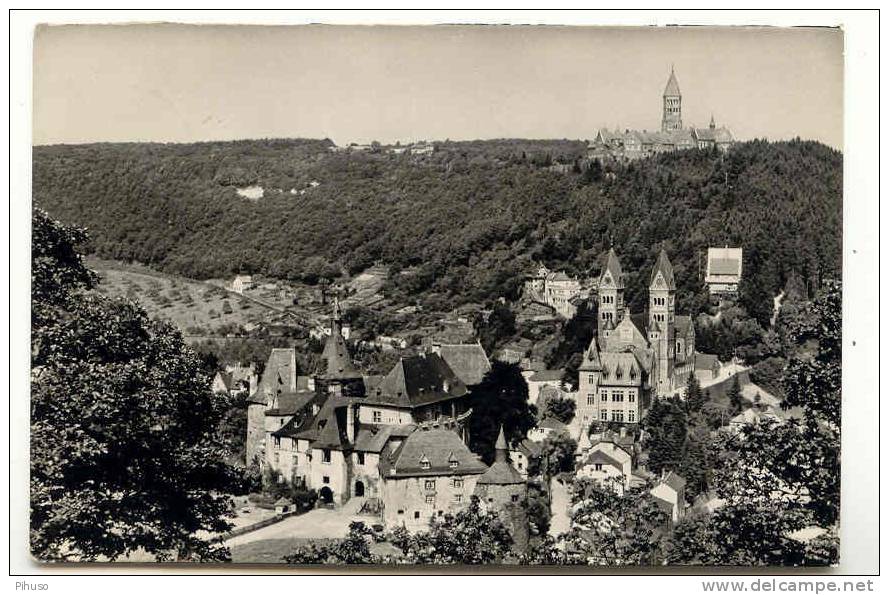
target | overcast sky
[{"x": 357, "y": 84}]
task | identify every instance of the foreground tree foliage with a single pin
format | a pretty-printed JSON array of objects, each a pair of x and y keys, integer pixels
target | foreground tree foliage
[
  {"x": 607, "y": 529},
  {"x": 780, "y": 482},
  {"x": 125, "y": 455}
]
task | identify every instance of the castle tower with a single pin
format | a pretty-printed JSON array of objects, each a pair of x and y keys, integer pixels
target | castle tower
[
  {"x": 661, "y": 320},
  {"x": 340, "y": 375},
  {"x": 502, "y": 490},
  {"x": 611, "y": 295},
  {"x": 672, "y": 118}
]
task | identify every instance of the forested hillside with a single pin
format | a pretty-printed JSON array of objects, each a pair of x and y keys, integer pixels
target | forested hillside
[{"x": 462, "y": 224}]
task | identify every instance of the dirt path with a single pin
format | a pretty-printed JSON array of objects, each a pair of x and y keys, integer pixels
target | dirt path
[{"x": 560, "y": 503}]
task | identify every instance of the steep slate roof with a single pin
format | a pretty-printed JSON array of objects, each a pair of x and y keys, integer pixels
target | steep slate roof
[
  {"x": 336, "y": 355},
  {"x": 279, "y": 375},
  {"x": 620, "y": 369},
  {"x": 672, "y": 88},
  {"x": 529, "y": 447},
  {"x": 291, "y": 402},
  {"x": 547, "y": 376},
  {"x": 674, "y": 480},
  {"x": 417, "y": 380},
  {"x": 705, "y": 361},
  {"x": 551, "y": 423},
  {"x": 599, "y": 456},
  {"x": 663, "y": 266},
  {"x": 373, "y": 437},
  {"x": 437, "y": 446},
  {"x": 612, "y": 266},
  {"x": 501, "y": 472},
  {"x": 469, "y": 362},
  {"x": 724, "y": 261}
]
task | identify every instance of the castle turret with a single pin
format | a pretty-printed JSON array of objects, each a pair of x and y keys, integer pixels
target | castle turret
[
  {"x": 340, "y": 375},
  {"x": 672, "y": 118},
  {"x": 501, "y": 489}
]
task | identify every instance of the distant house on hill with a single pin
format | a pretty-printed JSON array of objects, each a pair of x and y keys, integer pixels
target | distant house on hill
[
  {"x": 235, "y": 381},
  {"x": 242, "y": 283},
  {"x": 724, "y": 266}
]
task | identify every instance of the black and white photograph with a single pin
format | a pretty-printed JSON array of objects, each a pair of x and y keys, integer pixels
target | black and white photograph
[{"x": 539, "y": 298}]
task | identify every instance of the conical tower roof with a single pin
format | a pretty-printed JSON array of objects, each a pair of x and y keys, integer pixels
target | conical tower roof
[
  {"x": 672, "y": 88},
  {"x": 501, "y": 472},
  {"x": 613, "y": 268},
  {"x": 336, "y": 354},
  {"x": 663, "y": 266}
]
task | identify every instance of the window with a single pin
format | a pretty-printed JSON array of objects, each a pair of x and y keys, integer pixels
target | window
[
  {"x": 430, "y": 499},
  {"x": 604, "y": 396},
  {"x": 458, "y": 482},
  {"x": 424, "y": 463},
  {"x": 617, "y": 396},
  {"x": 603, "y": 415},
  {"x": 400, "y": 512},
  {"x": 429, "y": 484},
  {"x": 325, "y": 455},
  {"x": 598, "y": 466},
  {"x": 515, "y": 497},
  {"x": 453, "y": 463},
  {"x": 458, "y": 498},
  {"x": 360, "y": 457},
  {"x": 631, "y": 416},
  {"x": 591, "y": 379},
  {"x": 277, "y": 442},
  {"x": 325, "y": 479},
  {"x": 377, "y": 417},
  {"x": 590, "y": 399},
  {"x": 416, "y": 514},
  {"x": 631, "y": 397}
]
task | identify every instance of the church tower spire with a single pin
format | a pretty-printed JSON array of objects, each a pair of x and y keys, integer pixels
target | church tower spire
[
  {"x": 611, "y": 295},
  {"x": 672, "y": 117}
]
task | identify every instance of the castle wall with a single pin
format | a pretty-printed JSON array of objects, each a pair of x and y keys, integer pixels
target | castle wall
[
  {"x": 510, "y": 503},
  {"x": 255, "y": 432},
  {"x": 411, "y": 502}
]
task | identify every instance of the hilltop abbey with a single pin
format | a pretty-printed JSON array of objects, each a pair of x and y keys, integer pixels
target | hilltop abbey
[{"x": 673, "y": 136}]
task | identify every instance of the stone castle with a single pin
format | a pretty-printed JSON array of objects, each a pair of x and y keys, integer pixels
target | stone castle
[{"x": 396, "y": 442}]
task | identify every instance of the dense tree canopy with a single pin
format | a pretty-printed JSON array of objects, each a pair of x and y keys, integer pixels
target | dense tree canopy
[
  {"x": 464, "y": 223},
  {"x": 124, "y": 449},
  {"x": 499, "y": 400}
]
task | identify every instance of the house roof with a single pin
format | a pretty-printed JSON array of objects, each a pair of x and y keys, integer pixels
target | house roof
[
  {"x": 291, "y": 402},
  {"x": 469, "y": 362},
  {"x": 551, "y": 423},
  {"x": 501, "y": 472},
  {"x": 674, "y": 480},
  {"x": 547, "y": 376},
  {"x": 672, "y": 88},
  {"x": 373, "y": 438},
  {"x": 418, "y": 380},
  {"x": 705, "y": 361},
  {"x": 724, "y": 261},
  {"x": 620, "y": 369},
  {"x": 439, "y": 447},
  {"x": 529, "y": 447},
  {"x": 599, "y": 456},
  {"x": 662, "y": 265}
]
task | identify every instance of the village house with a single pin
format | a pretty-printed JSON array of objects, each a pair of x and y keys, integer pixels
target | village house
[
  {"x": 546, "y": 428},
  {"x": 522, "y": 454},
  {"x": 724, "y": 266},
  {"x": 607, "y": 458},
  {"x": 669, "y": 493},
  {"x": 236, "y": 381},
  {"x": 242, "y": 283},
  {"x": 538, "y": 380},
  {"x": 557, "y": 290}
]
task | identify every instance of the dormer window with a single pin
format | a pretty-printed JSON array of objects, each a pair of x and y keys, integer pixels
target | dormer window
[
  {"x": 453, "y": 463},
  {"x": 424, "y": 463}
]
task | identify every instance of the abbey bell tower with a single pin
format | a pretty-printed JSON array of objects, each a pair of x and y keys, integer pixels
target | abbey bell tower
[{"x": 672, "y": 119}]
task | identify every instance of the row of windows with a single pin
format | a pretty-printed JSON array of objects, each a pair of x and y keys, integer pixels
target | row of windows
[
  {"x": 617, "y": 416},
  {"x": 456, "y": 482},
  {"x": 616, "y": 397}
]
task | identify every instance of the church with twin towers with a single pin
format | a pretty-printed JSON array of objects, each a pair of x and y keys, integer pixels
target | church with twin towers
[{"x": 634, "y": 357}]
